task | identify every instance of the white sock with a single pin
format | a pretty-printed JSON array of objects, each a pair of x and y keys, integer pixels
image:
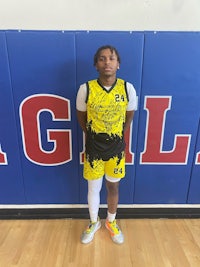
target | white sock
[
  {"x": 111, "y": 216},
  {"x": 94, "y": 188}
]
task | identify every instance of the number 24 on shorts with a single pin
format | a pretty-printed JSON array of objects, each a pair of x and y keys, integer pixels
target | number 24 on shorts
[{"x": 117, "y": 170}]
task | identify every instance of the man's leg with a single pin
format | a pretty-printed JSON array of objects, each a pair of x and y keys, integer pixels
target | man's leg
[
  {"x": 112, "y": 185},
  {"x": 112, "y": 196},
  {"x": 94, "y": 188}
]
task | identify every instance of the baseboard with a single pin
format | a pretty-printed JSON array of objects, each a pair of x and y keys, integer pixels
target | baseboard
[{"x": 82, "y": 213}]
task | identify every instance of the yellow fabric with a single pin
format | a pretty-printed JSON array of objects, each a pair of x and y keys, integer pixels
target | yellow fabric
[
  {"x": 107, "y": 109},
  {"x": 112, "y": 168}
]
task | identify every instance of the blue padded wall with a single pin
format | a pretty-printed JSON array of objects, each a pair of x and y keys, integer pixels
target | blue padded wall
[
  {"x": 11, "y": 177},
  {"x": 194, "y": 189},
  {"x": 170, "y": 69},
  {"x": 43, "y": 63},
  {"x": 42, "y": 143}
]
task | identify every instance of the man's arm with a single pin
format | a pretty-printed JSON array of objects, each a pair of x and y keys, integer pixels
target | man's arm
[
  {"x": 129, "y": 118},
  {"x": 82, "y": 118}
]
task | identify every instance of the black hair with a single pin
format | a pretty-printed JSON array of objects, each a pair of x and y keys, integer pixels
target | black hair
[{"x": 112, "y": 49}]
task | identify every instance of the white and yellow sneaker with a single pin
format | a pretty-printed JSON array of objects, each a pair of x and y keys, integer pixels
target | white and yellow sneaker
[
  {"x": 88, "y": 234},
  {"x": 115, "y": 233}
]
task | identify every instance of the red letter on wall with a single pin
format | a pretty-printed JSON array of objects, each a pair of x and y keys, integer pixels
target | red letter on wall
[
  {"x": 128, "y": 140},
  {"x": 30, "y": 110},
  {"x": 3, "y": 157},
  {"x": 198, "y": 158},
  {"x": 153, "y": 154}
]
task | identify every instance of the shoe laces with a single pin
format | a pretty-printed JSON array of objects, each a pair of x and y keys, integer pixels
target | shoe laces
[
  {"x": 114, "y": 227},
  {"x": 90, "y": 227}
]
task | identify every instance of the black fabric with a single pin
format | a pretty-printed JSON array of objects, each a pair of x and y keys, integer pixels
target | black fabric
[{"x": 103, "y": 146}]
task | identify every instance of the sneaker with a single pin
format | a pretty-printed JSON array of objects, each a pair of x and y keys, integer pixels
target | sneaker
[
  {"x": 115, "y": 233},
  {"x": 88, "y": 234}
]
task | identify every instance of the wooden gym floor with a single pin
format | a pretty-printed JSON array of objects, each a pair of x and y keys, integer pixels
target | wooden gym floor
[{"x": 56, "y": 243}]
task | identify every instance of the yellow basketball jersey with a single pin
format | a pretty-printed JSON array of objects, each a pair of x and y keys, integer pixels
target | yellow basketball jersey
[
  {"x": 106, "y": 109},
  {"x": 106, "y": 114}
]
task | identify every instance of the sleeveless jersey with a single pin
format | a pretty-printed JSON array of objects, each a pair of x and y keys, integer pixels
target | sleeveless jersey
[{"x": 106, "y": 114}]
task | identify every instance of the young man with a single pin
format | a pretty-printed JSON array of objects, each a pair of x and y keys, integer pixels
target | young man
[{"x": 105, "y": 109}]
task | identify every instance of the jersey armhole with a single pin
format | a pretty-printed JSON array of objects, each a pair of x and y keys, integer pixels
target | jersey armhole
[
  {"x": 125, "y": 86},
  {"x": 87, "y": 92}
]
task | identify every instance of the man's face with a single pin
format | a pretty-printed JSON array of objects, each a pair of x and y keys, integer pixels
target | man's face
[{"x": 107, "y": 63}]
